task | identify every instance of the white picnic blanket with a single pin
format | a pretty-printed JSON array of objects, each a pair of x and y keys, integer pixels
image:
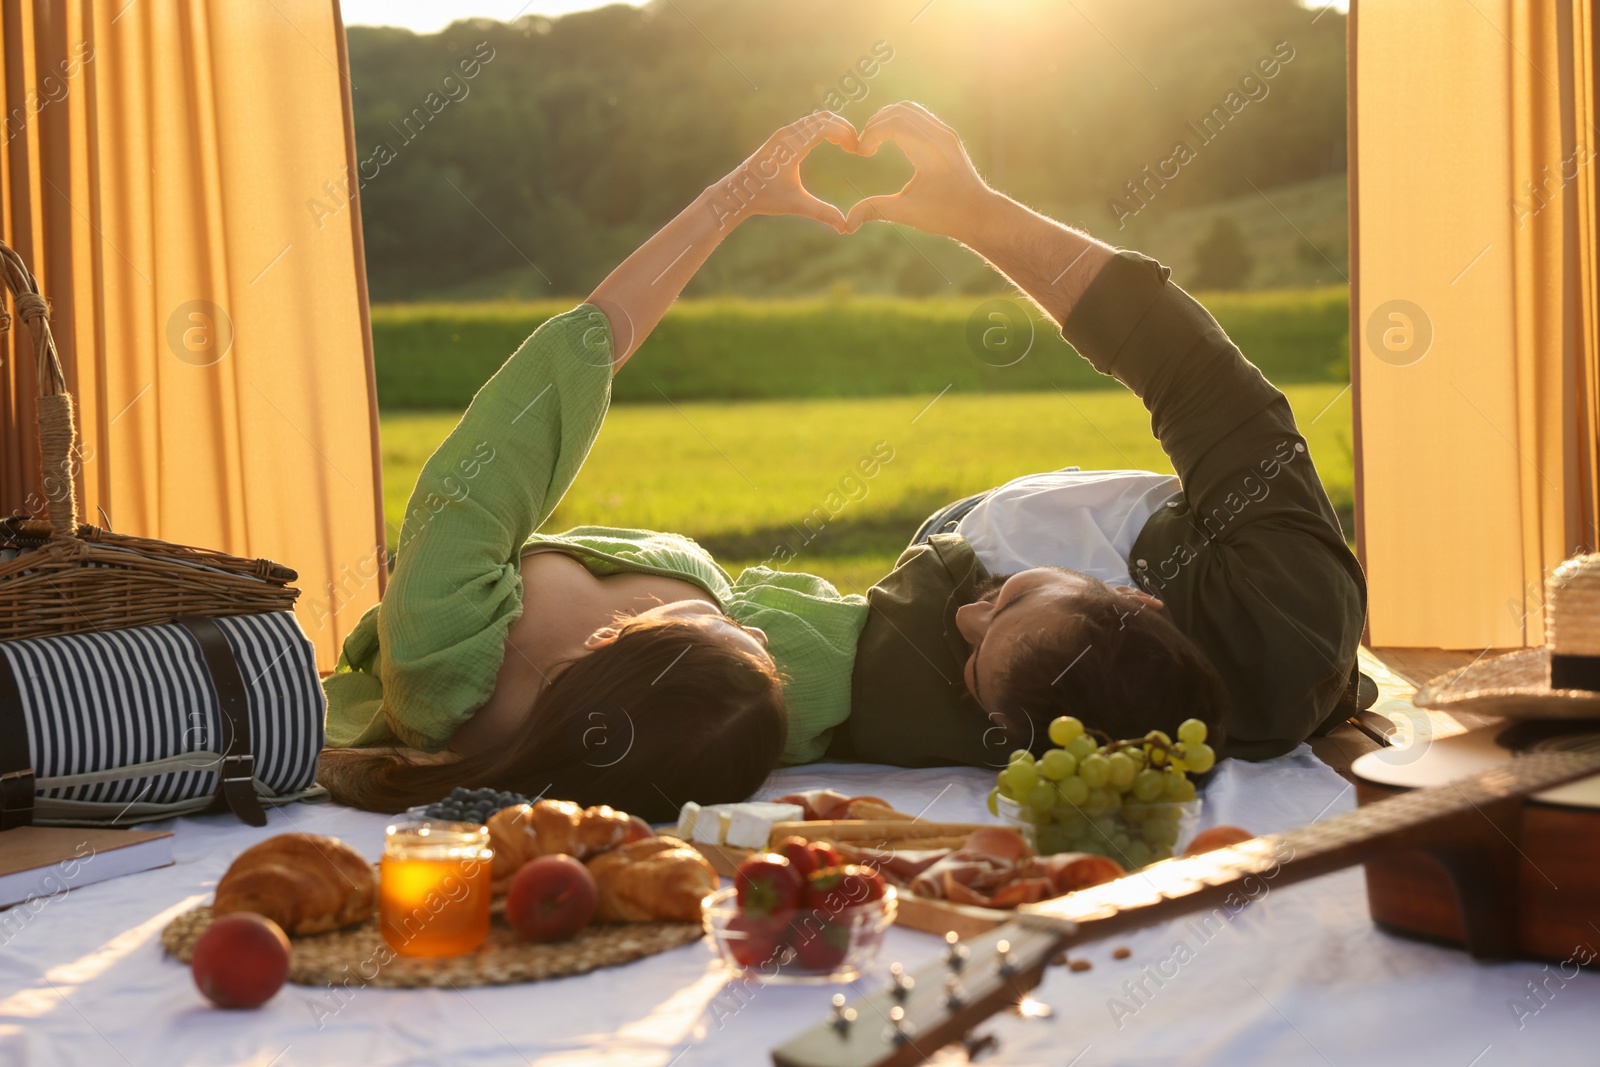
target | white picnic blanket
[{"x": 1301, "y": 976}]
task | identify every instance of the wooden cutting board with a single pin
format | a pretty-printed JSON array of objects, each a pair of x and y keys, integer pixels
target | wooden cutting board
[{"x": 939, "y": 917}]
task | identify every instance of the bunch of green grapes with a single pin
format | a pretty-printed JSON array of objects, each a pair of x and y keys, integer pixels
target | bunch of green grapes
[{"x": 1114, "y": 798}]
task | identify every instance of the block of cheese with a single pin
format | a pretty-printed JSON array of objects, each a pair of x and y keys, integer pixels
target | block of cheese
[
  {"x": 686, "y": 820},
  {"x": 711, "y": 824},
  {"x": 750, "y": 824},
  {"x": 746, "y": 825}
]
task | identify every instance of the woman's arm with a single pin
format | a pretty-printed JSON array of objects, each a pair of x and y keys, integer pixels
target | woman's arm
[
  {"x": 457, "y": 587},
  {"x": 636, "y": 294}
]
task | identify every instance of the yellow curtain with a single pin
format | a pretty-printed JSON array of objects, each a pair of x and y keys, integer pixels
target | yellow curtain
[
  {"x": 1474, "y": 320},
  {"x": 175, "y": 173}
]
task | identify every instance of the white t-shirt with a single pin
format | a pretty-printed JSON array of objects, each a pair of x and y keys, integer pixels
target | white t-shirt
[{"x": 1083, "y": 520}]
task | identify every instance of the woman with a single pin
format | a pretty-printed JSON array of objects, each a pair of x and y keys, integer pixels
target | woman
[{"x": 598, "y": 665}]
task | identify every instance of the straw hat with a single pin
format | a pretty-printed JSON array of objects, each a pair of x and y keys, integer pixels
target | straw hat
[{"x": 1559, "y": 681}]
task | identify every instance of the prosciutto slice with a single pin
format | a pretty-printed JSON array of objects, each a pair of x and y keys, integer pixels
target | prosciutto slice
[
  {"x": 899, "y": 867},
  {"x": 829, "y": 804},
  {"x": 818, "y": 803},
  {"x": 990, "y": 859},
  {"x": 995, "y": 868}
]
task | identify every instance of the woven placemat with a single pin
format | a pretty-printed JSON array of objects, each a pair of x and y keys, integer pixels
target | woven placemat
[{"x": 360, "y": 953}]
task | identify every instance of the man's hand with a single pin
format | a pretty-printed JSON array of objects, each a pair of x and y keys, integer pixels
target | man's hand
[
  {"x": 1050, "y": 262},
  {"x": 768, "y": 183},
  {"x": 945, "y": 195}
]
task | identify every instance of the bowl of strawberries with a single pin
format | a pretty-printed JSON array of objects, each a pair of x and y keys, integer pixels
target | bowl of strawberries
[{"x": 800, "y": 914}]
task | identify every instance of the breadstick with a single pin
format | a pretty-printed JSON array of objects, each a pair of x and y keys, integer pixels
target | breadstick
[
  {"x": 901, "y": 844},
  {"x": 919, "y": 844},
  {"x": 871, "y": 829},
  {"x": 873, "y": 808}
]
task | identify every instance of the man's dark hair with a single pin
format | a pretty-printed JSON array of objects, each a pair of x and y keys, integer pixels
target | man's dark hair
[{"x": 1118, "y": 668}]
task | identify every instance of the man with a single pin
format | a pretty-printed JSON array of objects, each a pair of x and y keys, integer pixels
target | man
[{"x": 1130, "y": 599}]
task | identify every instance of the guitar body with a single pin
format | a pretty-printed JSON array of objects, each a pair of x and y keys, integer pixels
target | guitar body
[{"x": 1556, "y": 853}]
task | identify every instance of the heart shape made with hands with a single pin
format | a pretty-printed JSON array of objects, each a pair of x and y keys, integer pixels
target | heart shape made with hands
[{"x": 844, "y": 177}]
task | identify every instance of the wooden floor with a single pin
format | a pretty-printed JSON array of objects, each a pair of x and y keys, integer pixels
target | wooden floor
[{"x": 1398, "y": 672}]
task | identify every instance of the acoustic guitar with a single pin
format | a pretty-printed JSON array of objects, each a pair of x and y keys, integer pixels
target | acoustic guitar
[
  {"x": 1550, "y": 854},
  {"x": 1470, "y": 826}
]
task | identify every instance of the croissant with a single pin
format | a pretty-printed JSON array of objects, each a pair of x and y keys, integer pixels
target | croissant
[
  {"x": 527, "y": 831},
  {"x": 306, "y": 883},
  {"x": 655, "y": 879}
]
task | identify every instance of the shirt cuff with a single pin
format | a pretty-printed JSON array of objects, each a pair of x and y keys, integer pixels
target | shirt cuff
[{"x": 1109, "y": 311}]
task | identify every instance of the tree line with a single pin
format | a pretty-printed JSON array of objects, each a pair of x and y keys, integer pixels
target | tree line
[{"x": 527, "y": 158}]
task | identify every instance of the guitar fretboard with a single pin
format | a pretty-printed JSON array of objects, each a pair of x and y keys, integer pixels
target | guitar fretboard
[{"x": 1407, "y": 820}]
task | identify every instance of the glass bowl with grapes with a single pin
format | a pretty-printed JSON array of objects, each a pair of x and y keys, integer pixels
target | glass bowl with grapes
[{"x": 1133, "y": 801}]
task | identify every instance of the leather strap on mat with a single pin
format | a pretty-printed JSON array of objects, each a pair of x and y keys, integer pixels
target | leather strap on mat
[
  {"x": 236, "y": 787},
  {"x": 16, "y": 762}
]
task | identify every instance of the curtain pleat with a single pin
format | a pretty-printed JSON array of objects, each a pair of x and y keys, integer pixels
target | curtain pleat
[
  {"x": 1474, "y": 218},
  {"x": 212, "y": 325}
]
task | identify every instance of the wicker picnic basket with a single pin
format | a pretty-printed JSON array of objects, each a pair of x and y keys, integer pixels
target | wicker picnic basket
[
  {"x": 87, "y": 577},
  {"x": 95, "y": 664}
]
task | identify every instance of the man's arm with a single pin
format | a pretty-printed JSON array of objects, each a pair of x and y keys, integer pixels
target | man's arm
[
  {"x": 1135, "y": 325},
  {"x": 1251, "y": 562}
]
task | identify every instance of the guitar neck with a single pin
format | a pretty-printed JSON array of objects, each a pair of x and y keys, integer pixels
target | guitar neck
[
  {"x": 1241, "y": 871},
  {"x": 908, "y": 1023}
]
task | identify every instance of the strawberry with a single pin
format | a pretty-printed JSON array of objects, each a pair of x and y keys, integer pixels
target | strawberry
[
  {"x": 756, "y": 940},
  {"x": 820, "y": 948},
  {"x": 825, "y": 855},
  {"x": 798, "y": 851},
  {"x": 767, "y": 885},
  {"x": 833, "y": 889}
]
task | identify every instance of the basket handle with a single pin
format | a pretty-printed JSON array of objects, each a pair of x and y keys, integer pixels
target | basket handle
[{"x": 57, "y": 431}]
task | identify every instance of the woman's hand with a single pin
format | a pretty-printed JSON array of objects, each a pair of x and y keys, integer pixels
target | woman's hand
[
  {"x": 768, "y": 183},
  {"x": 635, "y": 295}
]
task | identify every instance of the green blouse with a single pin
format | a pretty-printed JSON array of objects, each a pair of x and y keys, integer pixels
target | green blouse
[{"x": 422, "y": 661}]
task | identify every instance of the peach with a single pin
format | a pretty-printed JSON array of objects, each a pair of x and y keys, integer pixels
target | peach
[
  {"x": 241, "y": 960},
  {"x": 551, "y": 898},
  {"x": 1217, "y": 837}
]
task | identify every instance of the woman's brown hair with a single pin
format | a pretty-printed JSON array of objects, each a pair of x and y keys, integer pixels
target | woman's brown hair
[{"x": 662, "y": 715}]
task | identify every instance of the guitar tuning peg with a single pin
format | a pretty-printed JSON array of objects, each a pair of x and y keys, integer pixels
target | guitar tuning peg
[
  {"x": 842, "y": 1016},
  {"x": 978, "y": 1044},
  {"x": 899, "y": 1029},
  {"x": 955, "y": 953},
  {"x": 955, "y": 998},
  {"x": 900, "y": 983},
  {"x": 1002, "y": 951}
]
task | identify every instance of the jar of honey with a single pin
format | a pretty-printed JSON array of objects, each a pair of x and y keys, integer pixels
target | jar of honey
[{"x": 433, "y": 887}]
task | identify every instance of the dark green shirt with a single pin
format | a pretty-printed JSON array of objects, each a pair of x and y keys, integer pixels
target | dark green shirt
[{"x": 1249, "y": 560}]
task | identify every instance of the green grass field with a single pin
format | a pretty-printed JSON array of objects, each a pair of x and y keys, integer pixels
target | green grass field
[
  {"x": 435, "y": 356},
  {"x": 743, "y": 478}
]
